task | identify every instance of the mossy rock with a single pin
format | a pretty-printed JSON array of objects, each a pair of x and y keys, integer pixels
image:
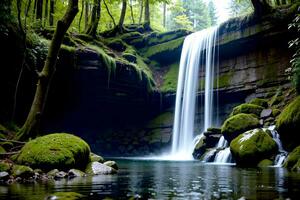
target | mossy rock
[
  {"x": 259, "y": 102},
  {"x": 288, "y": 125},
  {"x": 249, "y": 148},
  {"x": 238, "y": 124},
  {"x": 58, "y": 150},
  {"x": 293, "y": 160},
  {"x": 247, "y": 109},
  {"x": 96, "y": 168},
  {"x": 275, "y": 112},
  {"x": 162, "y": 120},
  {"x": 65, "y": 196},
  {"x": 96, "y": 158},
  {"x": 200, "y": 148},
  {"x": 4, "y": 166},
  {"x": 265, "y": 163},
  {"x": 111, "y": 164},
  {"x": 22, "y": 171}
]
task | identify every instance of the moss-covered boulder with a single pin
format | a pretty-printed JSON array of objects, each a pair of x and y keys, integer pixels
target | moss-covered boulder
[
  {"x": 288, "y": 125},
  {"x": 247, "y": 109},
  {"x": 200, "y": 148},
  {"x": 58, "y": 150},
  {"x": 96, "y": 158},
  {"x": 265, "y": 163},
  {"x": 259, "y": 102},
  {"x": 22, "y": 171},
  {"x": 293, "y": 160},
  {"x": 249, "y": 148},
  {"x": 238, "y": 124}
]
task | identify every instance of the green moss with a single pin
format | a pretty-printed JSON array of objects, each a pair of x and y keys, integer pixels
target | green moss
[
  {"x": 247, "y": 109},
  {"x": 275, "y": 112},
  {"x": 162, "y": 120},
  {"x": 252, "y": 146},
  {"x": 265, "y": 163},
  {"x": 4, "y": 166},
  {"x": 22, "y": 171},
  {"x": 259, "y": 102},
  {"x": 2, "y": 150},
  {"x": 157, "y": 51},
  {"x": 96, "y": 158},
  {"x": 293, "y": 160},
  {"x": 59, "y": 150},
  {"x": 170, "y": 79},
  {"x": 238, "y": 124},
  {"x": 108, "y": 61},
  {"x": 223, "y": 80},
  {"x": 66, "y": 196},
  {"x": 288, "y": 124}
]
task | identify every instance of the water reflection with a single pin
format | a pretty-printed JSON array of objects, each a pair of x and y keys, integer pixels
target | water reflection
[{"x": 170, "y": 180}]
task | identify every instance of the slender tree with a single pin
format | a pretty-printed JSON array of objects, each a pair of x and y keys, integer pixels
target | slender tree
[
  {"x": 164, "y": 14},
  {"x": 39, "y": 11},
  {"x": 46, "y": 12},
  {"x": 123, "y": 13},
  {"x": 96, "y": 11},
  {"x": 147, "y": 12},
  {"x": 109, "y": 13},
  {"x": 141, "y": 11},
  {"x": 51, "y": 16},
  {"x": 86, "y": 15},
  {"x": 131, "y": 12},
  {"x": 31, "y": 125}
]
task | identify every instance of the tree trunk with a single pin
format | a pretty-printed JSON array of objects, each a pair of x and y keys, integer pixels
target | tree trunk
[
  {"x": 131, "y": 12},
  {"x": 123, "y": 13},
  {"x": 31, "y": 125},
  {"x": 51, "y": 17},
  {"x": 46, "y": 12},
  {"x": 147, "y": 13},
  {"x": 261, "y": 7},
  {"x": 39, "y": 11},
  {"x": 92, "y": 29},
  {"x": 86, "y": 15},
  {"x": 109, "y": 13},
  {"x": 141, "y": 11},
  {"x": 80, "y": 18},
  {"x": 164, "y": 14}
]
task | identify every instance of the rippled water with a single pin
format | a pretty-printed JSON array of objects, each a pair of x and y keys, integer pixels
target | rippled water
[{"x": 170, "y": 180}]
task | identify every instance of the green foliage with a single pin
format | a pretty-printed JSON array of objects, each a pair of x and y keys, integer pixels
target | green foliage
[
  {"x": 293, "y": 160},
  {"x": 288, "y": 124},
  {"x": 295, "y": 45},
  {"x": 237, "y": 124},
  {"x": 240, "y": 7},
  {"x": 58, "y": 150},
  {"x": 170, "y": 79},
  {"x": 247, "y": 109},
  {"x": 252, "y": 146}
]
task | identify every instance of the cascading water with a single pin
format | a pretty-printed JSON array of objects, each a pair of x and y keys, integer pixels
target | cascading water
[
  {"x": 197, "y": 47},
  {"x": 224, "y": 155},
  {"x": 281, "y": 156}
]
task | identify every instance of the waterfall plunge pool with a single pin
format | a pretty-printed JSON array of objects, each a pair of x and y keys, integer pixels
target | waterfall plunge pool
[{"x": 150, "y": 179}]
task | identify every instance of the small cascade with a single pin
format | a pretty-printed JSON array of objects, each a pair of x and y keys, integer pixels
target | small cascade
[
  {"x": 209, "y": 156},
  {"x": 198, "y": 50},
  {"x": 223, "y": 156},
  {"x": 281, "y": 156},
  {"x": 222, "y": 143}
]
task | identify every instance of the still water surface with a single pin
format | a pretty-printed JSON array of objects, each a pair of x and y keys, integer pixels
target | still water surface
[{"x": 170, "y": 180}]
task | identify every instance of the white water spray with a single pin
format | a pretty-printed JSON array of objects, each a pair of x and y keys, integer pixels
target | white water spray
[{"x": 198, "y": 47}]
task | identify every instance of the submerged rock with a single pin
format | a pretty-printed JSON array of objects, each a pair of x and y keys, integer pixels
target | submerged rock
[
  {"x": 4, "y": 176},
  {"x": 75, "y": 173},
  {"x": 247, "y": 109},
  {"x": 65, "y": 196},
  {"x": 265, "y": 163},
  {"x": 96, "y": 168},
  {"x": 288, "y": 125},
  {"x": 252, "y": 146},
  {"x": 111, "y": 164},
  {"x": 238, "y": 124},
  {"x": 59, "y": 150},
  {"x": 293, "y": 160}
]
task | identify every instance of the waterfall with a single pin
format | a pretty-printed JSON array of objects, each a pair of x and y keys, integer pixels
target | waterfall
[
  {"x": 281, "y": 156},
  {"x": 224, "y": 155},
  {"x": 197, "y": 48}
]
